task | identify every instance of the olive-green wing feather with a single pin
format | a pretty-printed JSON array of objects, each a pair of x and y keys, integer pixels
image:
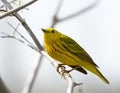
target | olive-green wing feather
[{"x": 73, "y": 47}]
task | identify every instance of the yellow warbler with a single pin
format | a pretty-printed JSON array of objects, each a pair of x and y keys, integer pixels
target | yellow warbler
[{"x": 69, "y": 52}]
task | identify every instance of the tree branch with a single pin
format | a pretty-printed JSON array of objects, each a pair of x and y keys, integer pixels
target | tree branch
[
  {"x": 24, "y": 24},
  {"x": 86, "y": 9},
  {"x": 13, "y": 11},
  {"x": 32, "y": 76}
]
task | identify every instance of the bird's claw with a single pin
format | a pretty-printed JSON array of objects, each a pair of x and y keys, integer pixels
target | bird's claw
[
  {"x": 60, "y": 66},
  {"x": 63, "y": 70}
]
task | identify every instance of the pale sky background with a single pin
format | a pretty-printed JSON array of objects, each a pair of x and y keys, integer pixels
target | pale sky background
[{"x": 97, "y": 31}]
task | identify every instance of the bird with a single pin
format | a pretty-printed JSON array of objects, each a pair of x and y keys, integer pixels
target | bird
[{"x": 67, "y": 51}]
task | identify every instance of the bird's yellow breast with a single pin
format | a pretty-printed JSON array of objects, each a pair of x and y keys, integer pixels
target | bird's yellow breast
[{"x": 61, "y": 54}]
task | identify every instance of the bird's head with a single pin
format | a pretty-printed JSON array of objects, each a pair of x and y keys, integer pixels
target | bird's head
[{"x": 50, "y": 34}]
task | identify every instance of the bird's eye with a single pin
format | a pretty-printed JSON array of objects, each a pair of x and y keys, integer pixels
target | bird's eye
[{"x": 52, "y": 31}]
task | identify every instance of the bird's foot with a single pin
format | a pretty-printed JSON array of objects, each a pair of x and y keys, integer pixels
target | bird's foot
[
  {"x": 60, "y": 66},
  {"x": 63, "y": 69},
  {"x": 66, "y": 71}
]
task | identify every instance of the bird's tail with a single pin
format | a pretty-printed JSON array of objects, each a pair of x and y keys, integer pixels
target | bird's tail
[{"x": 94, "y": 70}]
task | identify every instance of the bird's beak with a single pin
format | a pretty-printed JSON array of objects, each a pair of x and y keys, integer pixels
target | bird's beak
[{"x": 43, "y": 30}]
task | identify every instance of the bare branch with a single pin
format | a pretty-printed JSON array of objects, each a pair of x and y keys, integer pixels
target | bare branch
[{"x": 32, "y": 76}]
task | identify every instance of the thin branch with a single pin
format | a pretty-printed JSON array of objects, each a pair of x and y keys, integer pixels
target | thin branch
[
  {"x": 8, "y": 36},
  {"x": 2, "y": 10},
  {"x": 13, "y": 37},
  {"x": 15, "y": 28},
  {"x": 21, "y": 41},
  {"x": 17, "y": 9},
  {"x": 86, "y": 9},
  {"x": 15, "y": 31},
  {"x": 55, "y": 19},
  {"x": 9, "y": 3}
]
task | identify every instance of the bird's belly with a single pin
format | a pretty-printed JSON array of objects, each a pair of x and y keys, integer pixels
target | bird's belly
[{"x": 64, "y": 57}]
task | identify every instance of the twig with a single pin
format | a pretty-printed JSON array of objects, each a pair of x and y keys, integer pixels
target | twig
[
  {"x": 9, "y": 2},
  {"x": 15, "y": 30},
  {"x": 13, "y": 37},
  {"x": 2, "y": 10}
]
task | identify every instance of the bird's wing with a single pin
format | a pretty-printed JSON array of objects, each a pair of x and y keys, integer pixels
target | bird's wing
[{"x": 73, "y": 47}]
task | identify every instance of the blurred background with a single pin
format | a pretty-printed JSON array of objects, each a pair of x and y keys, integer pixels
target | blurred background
[{"x": 97, "y": 31}]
